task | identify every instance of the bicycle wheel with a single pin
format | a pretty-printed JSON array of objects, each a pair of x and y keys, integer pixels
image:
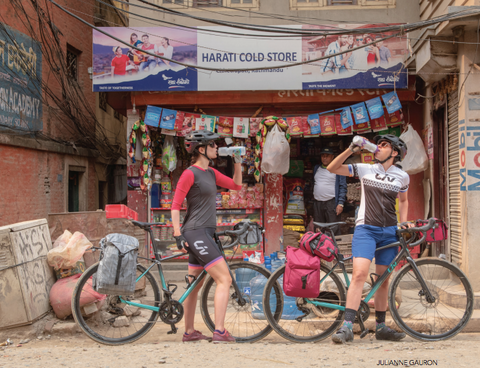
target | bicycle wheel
[
  {"x": 441, "y": 319},
  {"x": 247, "y": 322},
  {"x": 107, "y": 320},
  {"x": 317, "y": 323}
]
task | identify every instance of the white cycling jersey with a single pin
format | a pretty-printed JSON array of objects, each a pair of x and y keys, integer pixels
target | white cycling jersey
[{"x": 380, "y": 189}]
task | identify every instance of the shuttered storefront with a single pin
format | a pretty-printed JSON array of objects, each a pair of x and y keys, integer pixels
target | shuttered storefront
[{"x": 454, "y": 203}]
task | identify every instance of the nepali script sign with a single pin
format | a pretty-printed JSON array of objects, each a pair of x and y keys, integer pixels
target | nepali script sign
[
  {"x": 118, "y": 67},
  {"x": 20, "y": 81}
]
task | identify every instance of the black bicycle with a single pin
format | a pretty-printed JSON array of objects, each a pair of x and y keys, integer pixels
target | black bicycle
[
  {"x": 122, "y": 319},
  {"x": 429, "y": 298}
]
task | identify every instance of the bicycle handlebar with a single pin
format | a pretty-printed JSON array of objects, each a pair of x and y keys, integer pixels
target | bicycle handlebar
[
  {"x": 421, "y": 229},
  {"x": 235, "y": 233}
]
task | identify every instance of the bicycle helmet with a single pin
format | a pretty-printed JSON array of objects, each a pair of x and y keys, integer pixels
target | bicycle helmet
[
  {"x": 199, "y": 138},
  {"x": 397, "y": 144}
]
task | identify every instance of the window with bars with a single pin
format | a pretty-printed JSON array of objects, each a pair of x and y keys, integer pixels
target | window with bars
[
  {"x": 206, "y": 3},
  {"x": 311, "y": 4},
  {"x": 102, "y": 100},
  {"x": 175, "y": 2},
  {"x": 342, "y": 2},
  {"x": 72, "y": 62}
]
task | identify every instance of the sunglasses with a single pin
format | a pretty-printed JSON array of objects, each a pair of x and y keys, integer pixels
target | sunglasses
[
  {"x": 384, "y": 144},
  {"x": 359, "y": 39},
  {"x": 212, "y": 144}
]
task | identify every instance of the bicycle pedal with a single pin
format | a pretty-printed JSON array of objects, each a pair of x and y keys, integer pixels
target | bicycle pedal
[
  {"x": 365, "y": 333},
  {"x": 173, "y": 330}
]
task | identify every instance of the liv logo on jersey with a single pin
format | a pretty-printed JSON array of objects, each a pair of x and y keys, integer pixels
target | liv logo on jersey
[
  {"x": 378, "y": 177},
  {"x": 200, "y": 248}
]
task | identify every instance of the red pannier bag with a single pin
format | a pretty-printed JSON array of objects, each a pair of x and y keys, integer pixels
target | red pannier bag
[
  {"x": 302, "y": 274},
  {"x": 438, "y": 233},
  {"x": 318, "y": 244}
]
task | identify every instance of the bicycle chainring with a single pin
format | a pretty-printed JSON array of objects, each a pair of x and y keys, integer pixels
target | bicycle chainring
[
  {"x": 171, "y": 312},
  {"x": 364, "y": 311}
]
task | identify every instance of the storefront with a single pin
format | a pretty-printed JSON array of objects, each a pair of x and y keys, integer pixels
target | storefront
[
  {"x": 270, "y": 208},
  {"x": 245, "y": 81}
]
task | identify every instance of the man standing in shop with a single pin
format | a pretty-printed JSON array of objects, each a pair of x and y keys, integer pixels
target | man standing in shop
[{"x": 329, "y": 191}]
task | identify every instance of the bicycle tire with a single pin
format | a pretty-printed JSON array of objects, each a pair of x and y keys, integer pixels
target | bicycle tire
[
  {"x": 241, "y": 320},
  {"x": 321, "y": 322},
  {"x": 96, "y": 325},
  {"x": 453, "y": 306}
]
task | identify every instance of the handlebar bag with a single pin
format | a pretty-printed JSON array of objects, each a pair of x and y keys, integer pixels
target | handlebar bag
[
  {"x": 318, "y": 244},
  {"x": 302, "y": 274},
  {"x": 438, "y": 233},
  {"x": 117, "y": 269},
  {"x": 252, "y": 236}
]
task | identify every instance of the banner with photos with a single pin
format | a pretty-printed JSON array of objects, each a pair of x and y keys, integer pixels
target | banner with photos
[{"x": 364, "y": 117}]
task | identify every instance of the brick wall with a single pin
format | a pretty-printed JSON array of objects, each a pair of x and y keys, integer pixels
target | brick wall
[{"x": 35, "y": 183}]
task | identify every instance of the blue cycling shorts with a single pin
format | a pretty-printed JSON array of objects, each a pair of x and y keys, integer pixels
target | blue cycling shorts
[{"x": 367, "y": 238}]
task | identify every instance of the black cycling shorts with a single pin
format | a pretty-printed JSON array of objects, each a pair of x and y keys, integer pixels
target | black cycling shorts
[{"x": 202, "y": 249}]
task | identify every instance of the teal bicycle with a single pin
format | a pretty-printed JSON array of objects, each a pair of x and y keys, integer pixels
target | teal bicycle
[
  {"x": 429, "y": 299},
  {"x": 121, "y": 319}
]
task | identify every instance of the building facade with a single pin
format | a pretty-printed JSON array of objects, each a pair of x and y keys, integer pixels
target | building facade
[{"x": 59, "y": 143}]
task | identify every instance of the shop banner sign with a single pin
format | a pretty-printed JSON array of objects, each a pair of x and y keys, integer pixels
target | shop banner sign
[
  {"x": 118, "y": 67},
  {"x": 168, "y": 119},
  {"x": 346, "y": 117},
  {"x": 392, "y": 102},
  {"x": 360, "y": 113},
  {"x": 152, "y": 116},
  {"x": 20, "y": 81}
]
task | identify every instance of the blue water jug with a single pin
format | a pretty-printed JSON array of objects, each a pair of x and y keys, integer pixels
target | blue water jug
[
  {"x": 243, "y": 276},
  {"x": 257, "y": 285},
  {"x": 290, "y": 310}
]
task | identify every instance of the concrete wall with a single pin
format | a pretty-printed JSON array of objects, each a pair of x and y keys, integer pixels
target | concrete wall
[
  {"x": 403, "y": 11},
  {"x": 469, "y": 111},
  {"x": 430, "y": 9}
]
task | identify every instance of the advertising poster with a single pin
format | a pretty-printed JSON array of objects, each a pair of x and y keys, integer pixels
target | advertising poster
[
  {"x": 20, "y": 81},
  {"x": 118, "y": 67}
]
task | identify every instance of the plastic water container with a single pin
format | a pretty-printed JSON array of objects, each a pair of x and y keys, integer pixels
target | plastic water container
[
  {"x": 364, "y": 143},
  {"x": 243, "y": 276},
  {"x": 257, "y": 285},
  {"x": 230, "y": 151},
  {"x": 290, "y": 310}
]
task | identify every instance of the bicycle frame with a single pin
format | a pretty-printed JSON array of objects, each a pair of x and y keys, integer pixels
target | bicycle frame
[
  {"x": 404, "y": 253},
  {"x": 165, "y": 287}
]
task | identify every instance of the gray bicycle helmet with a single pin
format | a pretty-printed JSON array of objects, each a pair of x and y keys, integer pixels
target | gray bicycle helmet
[
  {"x": 397, "y": 144},
  {"x": 199, "y": 138}
]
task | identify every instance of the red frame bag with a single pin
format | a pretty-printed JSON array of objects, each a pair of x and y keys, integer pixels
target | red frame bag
[
  {"x": 438, "y": 233},
  {"x": 302, "y": 274},
  {"x": 318, "y": 244}
]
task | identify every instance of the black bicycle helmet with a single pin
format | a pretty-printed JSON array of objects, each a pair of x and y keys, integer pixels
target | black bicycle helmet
[
  {"x": 199, "y": 138},
  {"x": 397, "y": 144}
]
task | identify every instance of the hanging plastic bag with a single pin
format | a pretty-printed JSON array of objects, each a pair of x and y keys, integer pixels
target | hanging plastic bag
[
  {"x": 67, "y": 250},
  {"x": 416, "y": 159},
  {"x": 169, "y": 155},
  {"x": 276, "y": 153}
]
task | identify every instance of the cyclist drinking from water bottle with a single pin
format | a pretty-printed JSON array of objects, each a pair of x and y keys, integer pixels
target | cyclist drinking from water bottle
[
  {"x": 376, "y": 226},
  {"x": 199, "y": 185}
]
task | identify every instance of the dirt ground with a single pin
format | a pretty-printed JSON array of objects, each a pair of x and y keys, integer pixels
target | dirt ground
[{"x": 65, "y": 346}]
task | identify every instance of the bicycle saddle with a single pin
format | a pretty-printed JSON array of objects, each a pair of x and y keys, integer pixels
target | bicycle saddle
[
  {"x": 328, "y": 225},
  {"x": 143, "y": 225}
]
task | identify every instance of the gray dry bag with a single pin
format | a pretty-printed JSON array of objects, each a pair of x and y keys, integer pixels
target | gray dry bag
[{"x": 117, "y": 269}]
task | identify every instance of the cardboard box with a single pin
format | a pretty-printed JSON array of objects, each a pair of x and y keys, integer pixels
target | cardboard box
[{"x": 25, "y": 276}]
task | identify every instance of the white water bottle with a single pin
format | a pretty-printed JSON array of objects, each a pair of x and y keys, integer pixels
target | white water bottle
[
  {"x": 364, "y": 143},
  {"x": 230, "y": 151}
]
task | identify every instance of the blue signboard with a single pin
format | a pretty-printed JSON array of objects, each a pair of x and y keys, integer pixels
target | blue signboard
[{"x": 20, "y": 81}]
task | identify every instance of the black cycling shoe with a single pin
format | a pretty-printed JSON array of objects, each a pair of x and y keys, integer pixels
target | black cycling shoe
[
  {"x": 386, "y": 333},
  {"x": 343, "y": 335}
]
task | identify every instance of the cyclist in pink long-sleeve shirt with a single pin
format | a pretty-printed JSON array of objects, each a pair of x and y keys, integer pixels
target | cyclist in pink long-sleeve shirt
[{"x": 199, "y": 185}]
